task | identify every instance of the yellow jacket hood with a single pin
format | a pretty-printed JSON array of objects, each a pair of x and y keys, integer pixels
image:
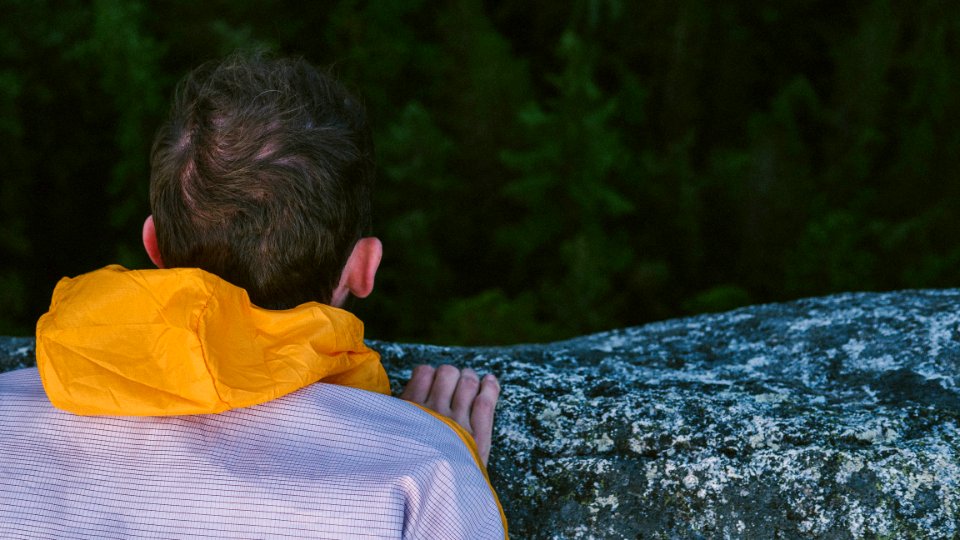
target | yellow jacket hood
[{"x": 184, "y": 341}]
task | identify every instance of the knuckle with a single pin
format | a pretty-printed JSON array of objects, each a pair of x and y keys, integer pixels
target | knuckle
[
  {"x": 447, "y": 370},
  {"x": 470, "y": 381},
  {"x": 466, "y": 389},
  {"x": 484, "y": 403},
  {"x": 423, "y": 369}
]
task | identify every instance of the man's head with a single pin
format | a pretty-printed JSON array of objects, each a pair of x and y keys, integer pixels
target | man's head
[{"x": 263, "y": 174}]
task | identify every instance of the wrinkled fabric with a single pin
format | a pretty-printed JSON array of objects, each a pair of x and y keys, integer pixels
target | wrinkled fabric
[
  {"x": 184, "y": 341},
  {"x": 146, "y": 355},
  {"x": 325, "y": 461}
]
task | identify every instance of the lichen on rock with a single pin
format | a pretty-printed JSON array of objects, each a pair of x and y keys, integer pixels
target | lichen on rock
[{"x": 832, "y": 417}]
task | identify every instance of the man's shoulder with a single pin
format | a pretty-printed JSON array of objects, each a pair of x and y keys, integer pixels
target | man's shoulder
[
  {"x": 22, "y": 385},
  {"x": 335, "y": 454}
]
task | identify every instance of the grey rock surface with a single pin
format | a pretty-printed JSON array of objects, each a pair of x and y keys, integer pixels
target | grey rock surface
[
  {"x": 16, "y": 353},
  {"x": 832, "y": 417}
]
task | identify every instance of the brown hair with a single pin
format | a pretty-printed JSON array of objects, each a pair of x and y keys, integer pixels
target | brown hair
[{"x": 262, "y": 174}]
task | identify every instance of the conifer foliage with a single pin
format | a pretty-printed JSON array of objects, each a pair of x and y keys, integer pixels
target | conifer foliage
[{"x": 546, "y": 169}]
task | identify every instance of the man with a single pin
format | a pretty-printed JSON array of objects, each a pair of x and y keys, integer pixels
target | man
[{"x": 188, "y": 397}]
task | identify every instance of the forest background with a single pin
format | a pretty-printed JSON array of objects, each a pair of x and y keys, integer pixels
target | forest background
[{"x": 546, "y": 169}]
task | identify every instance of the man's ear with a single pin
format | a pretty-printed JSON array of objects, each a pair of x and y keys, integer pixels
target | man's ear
[
  {"x": 150, "y": 242},
  {"x": 359, "y": 272}
]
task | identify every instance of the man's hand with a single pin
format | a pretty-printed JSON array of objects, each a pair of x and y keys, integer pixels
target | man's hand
[{"x": 461, "y": 395}]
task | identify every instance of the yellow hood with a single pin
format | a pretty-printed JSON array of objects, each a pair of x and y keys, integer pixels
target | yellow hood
[{"x": 184, "y": 341}]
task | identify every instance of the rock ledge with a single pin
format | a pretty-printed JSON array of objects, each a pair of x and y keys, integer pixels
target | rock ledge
[{"x": 833, "y": 417}]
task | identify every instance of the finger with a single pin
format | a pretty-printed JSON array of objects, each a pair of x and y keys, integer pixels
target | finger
[
  {"x": 418, "y": 388},
  {"x": 467, "y": 389},
  {"x": 481, "y": 415},
  {"x": 444, "y": 383}
]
